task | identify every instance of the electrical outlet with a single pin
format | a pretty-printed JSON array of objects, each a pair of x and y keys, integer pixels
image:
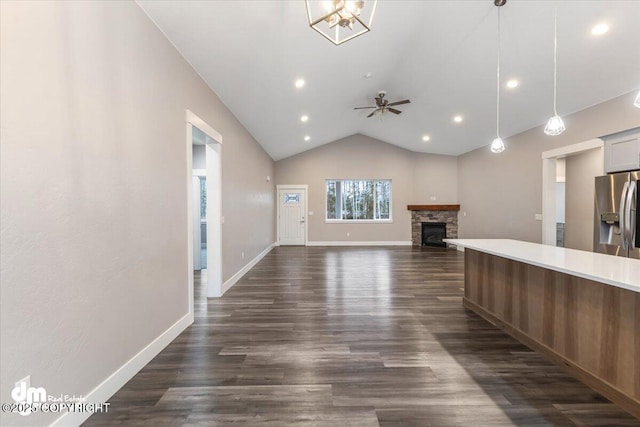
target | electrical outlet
[
  {"x": 348, "y": 234},
  {"x": 538, "y": 217},
  {"x": 242, "y": 254},
  {"x": 464, "y": 213},
  {"x": 222, "y": 220},
  {"x": 432, "y": 198}
]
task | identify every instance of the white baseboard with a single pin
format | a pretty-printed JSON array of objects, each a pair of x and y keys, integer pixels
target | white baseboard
[
  {"x": 361, "y": 243},
  {"x": 233, "y": 279},
  {"x": 103, "y": 392}
]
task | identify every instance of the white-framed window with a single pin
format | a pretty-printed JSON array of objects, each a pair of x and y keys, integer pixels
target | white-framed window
[{"x": 358, "y": 200}]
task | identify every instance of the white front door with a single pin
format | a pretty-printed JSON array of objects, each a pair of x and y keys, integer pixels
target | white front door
[{"x": 291, "y": 216}]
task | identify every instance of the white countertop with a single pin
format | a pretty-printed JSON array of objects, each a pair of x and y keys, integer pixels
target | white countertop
[{"x": 609, "y": 269}]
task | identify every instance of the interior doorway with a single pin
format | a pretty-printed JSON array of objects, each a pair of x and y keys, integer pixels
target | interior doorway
[
  {"x": 560, "y": 201},
  {"x": 292, "y": 215},
  {"x": 550, "y": 188},
  {"x": 204, "y": 206}
]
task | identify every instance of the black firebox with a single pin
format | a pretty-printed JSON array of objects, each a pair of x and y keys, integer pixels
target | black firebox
[{"x": 433, "y": 233}]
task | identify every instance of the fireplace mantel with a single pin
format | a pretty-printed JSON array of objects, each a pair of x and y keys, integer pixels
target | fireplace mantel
[{"x": 433, "y": 207}]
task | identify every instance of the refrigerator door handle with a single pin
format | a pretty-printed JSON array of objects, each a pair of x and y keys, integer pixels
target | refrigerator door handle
[
  {"x": 628, "y": 215},
  {"x": 622, "y": 224}
]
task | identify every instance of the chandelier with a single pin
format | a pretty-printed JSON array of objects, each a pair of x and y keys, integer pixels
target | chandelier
[{"x": 341, "y": 20}]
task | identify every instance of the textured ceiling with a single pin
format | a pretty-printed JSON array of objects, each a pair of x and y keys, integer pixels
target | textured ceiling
[{"x": 440, "y": 54}]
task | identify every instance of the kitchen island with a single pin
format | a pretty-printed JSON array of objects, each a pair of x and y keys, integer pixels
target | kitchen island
[{"x": 580, "y": 309}]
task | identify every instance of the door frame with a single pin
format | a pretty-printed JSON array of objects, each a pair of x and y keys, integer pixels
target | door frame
[
  {"x": 214, "y": 207},
  {"x": 549, "y": 160},
  {"x": 304, "y": 187}
]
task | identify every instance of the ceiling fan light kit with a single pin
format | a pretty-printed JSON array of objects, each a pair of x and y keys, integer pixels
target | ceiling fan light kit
[
  {"x": 341, "y": 20},
  {"x": 383, "y": 105}
]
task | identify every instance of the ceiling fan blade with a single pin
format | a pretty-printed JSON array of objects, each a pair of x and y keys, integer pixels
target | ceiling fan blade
[
  {"x": 394, "y": 111},
  {"x": 363, "y": 108},
  {"x": 406, "y": 101},
  {"x": 372, "y": 113}
]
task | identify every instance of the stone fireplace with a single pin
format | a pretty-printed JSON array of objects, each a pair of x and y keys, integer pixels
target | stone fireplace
[{"x": 434, "y": 216}]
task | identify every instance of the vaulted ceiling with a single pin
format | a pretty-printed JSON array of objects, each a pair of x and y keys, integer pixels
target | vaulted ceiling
[{"x": 440, "y": 54}]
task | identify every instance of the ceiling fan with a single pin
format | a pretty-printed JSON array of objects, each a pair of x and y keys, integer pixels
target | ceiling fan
[{"x": 383, "y": 105}]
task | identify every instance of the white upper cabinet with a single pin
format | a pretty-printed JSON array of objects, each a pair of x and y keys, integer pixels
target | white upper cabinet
[{"x": 622, "y": 151}]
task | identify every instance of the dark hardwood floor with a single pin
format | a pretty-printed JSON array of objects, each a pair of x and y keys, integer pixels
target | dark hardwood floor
[{"x": 351, "y": 337}]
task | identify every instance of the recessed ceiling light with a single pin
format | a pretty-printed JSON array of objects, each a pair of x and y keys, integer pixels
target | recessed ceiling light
[
  {"x": 426, "y": 138},
  {"x": 513, "y": 83},
  {"x": 299, "y": 83},
  {"x": 306, "y": 138},
  {"x": 457, "y": 119},
  {"x": 304, "y": 118},
  {"x": 600, "y": 29}
]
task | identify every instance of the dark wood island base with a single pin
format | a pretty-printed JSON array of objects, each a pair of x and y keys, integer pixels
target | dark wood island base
[{"x": 591, "y": 329}]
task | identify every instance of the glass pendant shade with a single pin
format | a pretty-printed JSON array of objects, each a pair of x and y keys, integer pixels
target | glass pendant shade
[
  {"x": 637, "y": 101},
  {"x": 555, "y": 126},
  {"x": 497, "y": 146}
]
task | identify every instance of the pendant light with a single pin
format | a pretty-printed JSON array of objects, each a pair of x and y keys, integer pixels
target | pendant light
[
  {"x": 555, "y": 125},
  {"x": 637, "y": 101},
  {"x": 497, "y": 146},
  {"x": 341, "y": 20}
]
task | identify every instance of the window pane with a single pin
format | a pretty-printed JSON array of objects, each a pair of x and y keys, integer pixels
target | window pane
[
  {"x": 203, "y": 198},
  {"x": 292, "y": 197},
  {"x": 331, "y": 200},
  {"x": 363, "y": 196},
  {"x": 357, "y": 200},
  {"x": 347, "y": 200},
  {"x": 383, "y": 199}
]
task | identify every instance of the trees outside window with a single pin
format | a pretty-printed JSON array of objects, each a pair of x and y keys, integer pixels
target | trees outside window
[{"x": 353, "y": 200}]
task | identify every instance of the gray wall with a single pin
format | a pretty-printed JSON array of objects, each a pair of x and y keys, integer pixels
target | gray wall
[
  {"x": 93, "y": 173},
  {"x": 581, "y": 171},
  {"x": 415, "y": 177},
  {"x": 502, "y": 193}
]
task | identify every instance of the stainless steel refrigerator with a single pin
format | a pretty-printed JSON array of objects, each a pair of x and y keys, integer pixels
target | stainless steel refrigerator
[{"x": 616, "y": 225}]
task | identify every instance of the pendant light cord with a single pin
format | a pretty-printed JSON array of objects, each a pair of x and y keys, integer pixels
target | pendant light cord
[
  {"x": 498, "y": 82},
  {"x": 555, "y": 61}
]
